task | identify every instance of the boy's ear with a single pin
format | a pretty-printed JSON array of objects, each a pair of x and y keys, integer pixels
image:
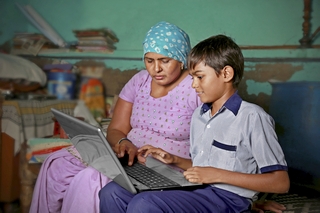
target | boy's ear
[{"x": 228, "y": 73}]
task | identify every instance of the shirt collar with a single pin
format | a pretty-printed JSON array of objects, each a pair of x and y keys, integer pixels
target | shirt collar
[{"x": 233, "y": 104}]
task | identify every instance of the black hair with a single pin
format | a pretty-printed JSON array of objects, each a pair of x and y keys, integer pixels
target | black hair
[{"x": 217, "y": 52}]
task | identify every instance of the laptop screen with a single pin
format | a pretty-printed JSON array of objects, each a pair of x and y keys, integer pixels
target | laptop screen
[{"x": 92, "y": 145}]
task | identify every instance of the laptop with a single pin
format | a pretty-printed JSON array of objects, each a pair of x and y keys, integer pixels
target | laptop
[{"x": 92, "y": 145}]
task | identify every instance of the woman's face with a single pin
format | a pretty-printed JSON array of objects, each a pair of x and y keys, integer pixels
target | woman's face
[{"x": 162, "y": 69}]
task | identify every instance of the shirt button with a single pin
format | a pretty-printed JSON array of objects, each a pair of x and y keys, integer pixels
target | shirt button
[{"x": 208, "y": 126}]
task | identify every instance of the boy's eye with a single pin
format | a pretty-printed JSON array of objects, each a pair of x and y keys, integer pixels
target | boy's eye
[{"x": 200, "y": 76}]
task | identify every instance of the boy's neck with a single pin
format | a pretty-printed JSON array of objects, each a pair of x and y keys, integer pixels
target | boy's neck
[{"x": 216, "y": 106}]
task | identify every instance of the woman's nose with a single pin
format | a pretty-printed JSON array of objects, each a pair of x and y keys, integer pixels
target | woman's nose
[{"x": 157, "y": 66}]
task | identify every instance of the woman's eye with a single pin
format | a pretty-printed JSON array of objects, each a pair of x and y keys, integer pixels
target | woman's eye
[{"x": 165, "y": 61}]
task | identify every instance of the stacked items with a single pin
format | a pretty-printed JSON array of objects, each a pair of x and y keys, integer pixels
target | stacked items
[
  {"x": 31, "y": 43},
  {"x": 96, "y": 40}
]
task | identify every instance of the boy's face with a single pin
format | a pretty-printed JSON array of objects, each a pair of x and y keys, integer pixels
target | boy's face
[{"x": 209, "y": 86}]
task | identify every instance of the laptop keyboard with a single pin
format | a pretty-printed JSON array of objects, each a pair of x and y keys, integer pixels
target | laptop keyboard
[{"x": 149, "y": 177}]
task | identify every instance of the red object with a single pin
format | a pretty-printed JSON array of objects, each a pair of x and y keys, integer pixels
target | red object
[
  {"x": 49, "y": 150},
  {"x": 56, "y": 128},
  {"x": 63, "y": 134}
]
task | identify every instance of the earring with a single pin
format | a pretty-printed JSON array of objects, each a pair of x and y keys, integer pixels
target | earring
[{"x": 181, "y": 66}]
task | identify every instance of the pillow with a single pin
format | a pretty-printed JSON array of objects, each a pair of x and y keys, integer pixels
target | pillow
[{"x": 18, "y": 69}]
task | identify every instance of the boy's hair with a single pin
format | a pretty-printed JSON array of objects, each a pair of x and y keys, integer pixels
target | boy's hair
[{"x": 217, "y": 52}]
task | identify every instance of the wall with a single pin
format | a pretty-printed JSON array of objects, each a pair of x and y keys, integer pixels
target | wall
[
  {"x": 268, "y": 31},
  {"x": 251, "y": 22}
]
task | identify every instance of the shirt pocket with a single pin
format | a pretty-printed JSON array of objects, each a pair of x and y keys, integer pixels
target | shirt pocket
[{"x": 223, "y": 155}]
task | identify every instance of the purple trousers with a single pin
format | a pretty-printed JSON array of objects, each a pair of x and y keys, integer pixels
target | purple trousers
[
  {"x": 65, "y": 184},
  {"x": 114, "y": 198}
]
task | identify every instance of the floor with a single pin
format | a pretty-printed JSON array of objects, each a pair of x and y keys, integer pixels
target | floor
[
  {"x": 298, "y": 200},
  {"x": 13, "y": 207}
]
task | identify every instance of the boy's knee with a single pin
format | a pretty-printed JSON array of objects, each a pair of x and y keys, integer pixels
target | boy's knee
[
  {"x": 147, "y": 200},
  {"x": 107, "y": 190}
]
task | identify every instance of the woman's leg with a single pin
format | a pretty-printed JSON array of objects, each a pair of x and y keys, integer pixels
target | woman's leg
[
  {"x": 82, "y": 193},
  {"x": 56, "y": 173}
]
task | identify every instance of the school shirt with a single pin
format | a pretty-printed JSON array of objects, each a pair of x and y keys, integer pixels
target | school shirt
[{"x": 240, "y": 137}]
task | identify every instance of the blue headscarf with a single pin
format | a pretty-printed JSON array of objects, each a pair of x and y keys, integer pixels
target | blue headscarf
[{"x": 168, "y": 40}]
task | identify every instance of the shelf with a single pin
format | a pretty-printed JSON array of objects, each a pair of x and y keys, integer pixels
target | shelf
[{"x": 251, "y": 55}]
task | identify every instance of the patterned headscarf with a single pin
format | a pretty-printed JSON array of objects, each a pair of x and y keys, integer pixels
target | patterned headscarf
[{"x": 168, "y": 40}]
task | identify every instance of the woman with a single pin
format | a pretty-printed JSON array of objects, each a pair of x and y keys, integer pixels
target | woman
[{"x": 154, "y": 107}]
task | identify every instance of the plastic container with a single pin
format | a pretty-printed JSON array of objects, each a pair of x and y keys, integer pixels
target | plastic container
[
  {"x": 62, "y": 85},
  {"x": 295, "y": 109}
]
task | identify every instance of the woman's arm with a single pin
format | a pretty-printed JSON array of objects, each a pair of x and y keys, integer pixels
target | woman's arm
[
  {"x": 119, "y": 127},
  {"x": 271, "y": 182}
]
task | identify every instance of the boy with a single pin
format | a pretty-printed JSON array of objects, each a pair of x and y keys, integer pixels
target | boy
[{"x": 234, "y": 147}]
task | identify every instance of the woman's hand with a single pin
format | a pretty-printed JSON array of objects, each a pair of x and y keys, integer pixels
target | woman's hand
[
  {"x": 157, "y": 153},
  {"x": 264, "y": 205},
  {"x": 126, "y": 147}
]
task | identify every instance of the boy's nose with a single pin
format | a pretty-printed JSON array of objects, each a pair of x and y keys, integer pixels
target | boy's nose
[{"x": 194, "y": 84}]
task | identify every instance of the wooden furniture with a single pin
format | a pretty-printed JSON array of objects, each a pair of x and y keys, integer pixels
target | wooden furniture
[
  {"x": 20, "y": 121},
  {"x": 9, "y": 166},
  {"x": 28, "y": 176},
  {"x": 9, "y": 170}
]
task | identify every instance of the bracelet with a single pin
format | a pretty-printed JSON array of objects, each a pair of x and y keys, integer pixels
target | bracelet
[{"x": 122, "y": 139}]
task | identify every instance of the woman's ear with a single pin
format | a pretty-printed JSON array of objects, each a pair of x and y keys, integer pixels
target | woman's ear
[
  {"x": 182, "y": 66},
  {"x": 228, "y": 73}
]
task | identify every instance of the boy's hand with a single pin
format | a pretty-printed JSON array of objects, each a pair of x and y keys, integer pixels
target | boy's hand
[
  {"x": 157, "y": 153},
  {"x": 201, "y": 174}
]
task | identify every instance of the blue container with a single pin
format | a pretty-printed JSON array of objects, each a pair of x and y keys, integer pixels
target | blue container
[
  {"x": 295, "y": 109},
  {"x": 61, "y": 84}
]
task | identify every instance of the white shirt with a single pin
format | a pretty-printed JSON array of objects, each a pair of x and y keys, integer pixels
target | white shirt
[{"x": 240, "y": 137}]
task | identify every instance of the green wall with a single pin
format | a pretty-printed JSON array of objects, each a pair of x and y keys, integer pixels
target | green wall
[{"x": 249, "y": 22}]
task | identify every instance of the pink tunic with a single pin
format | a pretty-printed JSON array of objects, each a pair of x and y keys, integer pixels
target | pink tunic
[
  {"x": 65, "y": 184},
  {"x": 162, "y": 122}
]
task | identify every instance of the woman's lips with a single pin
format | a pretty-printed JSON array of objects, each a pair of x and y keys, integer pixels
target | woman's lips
[{"x": 159, "y": 77}]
